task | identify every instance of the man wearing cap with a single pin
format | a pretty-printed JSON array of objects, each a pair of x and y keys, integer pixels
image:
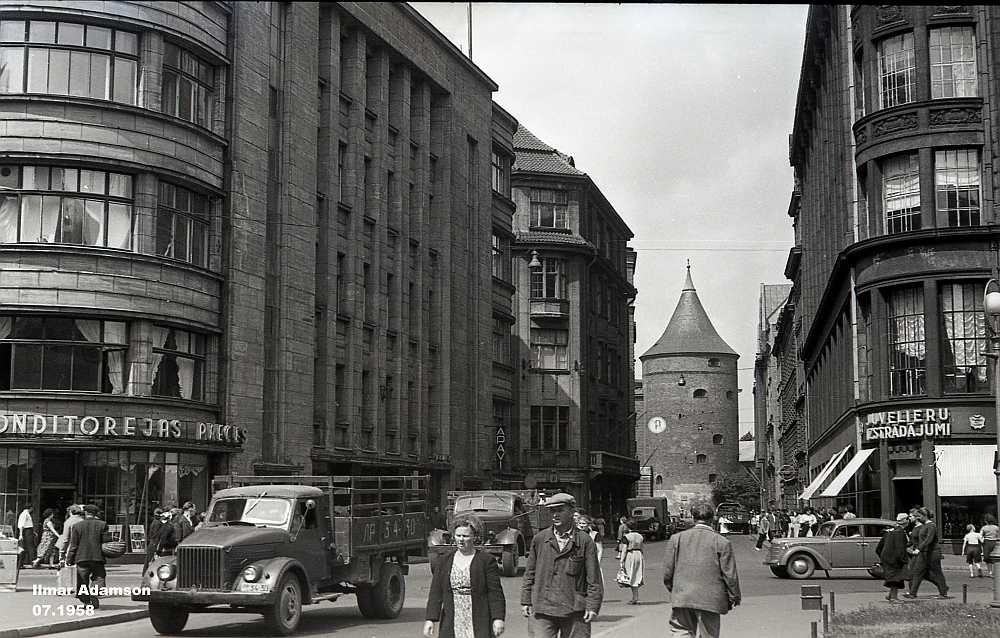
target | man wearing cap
[
  {"x": 85, "y": 540},
  {"x": 562, "y": 589}
]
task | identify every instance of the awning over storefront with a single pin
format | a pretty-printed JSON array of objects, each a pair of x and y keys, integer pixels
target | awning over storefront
[
  {"x": 822, "y": 476},
  {"x": 838, "y": 483},
  {"x": 965, "y": 470}
]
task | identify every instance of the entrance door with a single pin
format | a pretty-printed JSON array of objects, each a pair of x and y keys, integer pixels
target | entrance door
[
  {"x": 57, "y": 498},
  {"x": 909, "y": 493}
]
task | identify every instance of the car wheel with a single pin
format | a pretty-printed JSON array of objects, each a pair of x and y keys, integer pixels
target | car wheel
[
  {"x": 779, "y": 571},
  {"x": 508, "y": 563},
  {"x": 284, "y": 615},
  {"x": 167, "y": 620},
  {"x": 801, "y": 566}
]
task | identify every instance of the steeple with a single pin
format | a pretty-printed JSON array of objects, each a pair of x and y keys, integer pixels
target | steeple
[{"x": 690, "y": 331}]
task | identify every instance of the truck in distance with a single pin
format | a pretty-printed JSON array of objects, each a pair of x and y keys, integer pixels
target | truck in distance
[{"x": 650, "y": 515}]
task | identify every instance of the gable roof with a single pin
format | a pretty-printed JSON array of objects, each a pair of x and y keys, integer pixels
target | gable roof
[
  {"x": 689, "y": 331},
  {"x": 532, "y": 155}
]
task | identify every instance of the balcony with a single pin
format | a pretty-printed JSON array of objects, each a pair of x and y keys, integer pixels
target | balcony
[
  {"x": 555, "y": 308},
  {"x": 550, "y": 459},
  {"x": 610, "y": 463}
]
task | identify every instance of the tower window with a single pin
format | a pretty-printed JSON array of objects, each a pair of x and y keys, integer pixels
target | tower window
[
  {"x": 717, "y": 439},
  {"x": 729, "y": 395},
  {"x": 712, "y": 478},
  {"x": 700, "y": 393},
  {"x": 659, "y": 479},
  {"x": 701, "y": 459},
  {"x": 714, "y": 363}
]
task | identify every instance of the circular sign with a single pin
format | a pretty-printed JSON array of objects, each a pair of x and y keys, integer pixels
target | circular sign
[
  {"x": 787, "y": 472},
  {"x": 657, "y": 424}
]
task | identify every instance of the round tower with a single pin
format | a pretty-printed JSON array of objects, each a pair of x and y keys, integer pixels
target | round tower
[{"x": 688, "y": 432}]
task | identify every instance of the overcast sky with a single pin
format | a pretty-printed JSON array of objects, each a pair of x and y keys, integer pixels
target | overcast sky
[{"x": 680, "y": 114}]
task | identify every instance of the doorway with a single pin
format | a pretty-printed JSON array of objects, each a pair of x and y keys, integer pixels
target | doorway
[
  {"x": 57, "y": 498},
  {"x": 58, "y": 481},
  {"x": 909, "y": 493}
]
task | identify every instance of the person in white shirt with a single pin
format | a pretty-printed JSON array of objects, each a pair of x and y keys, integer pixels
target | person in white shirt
[
  {"x": 26, "y": 529},
  {"x": 972, "y": 547},
  {"x": 803, "y": 521},
  {"x": 793, "y": 524}
]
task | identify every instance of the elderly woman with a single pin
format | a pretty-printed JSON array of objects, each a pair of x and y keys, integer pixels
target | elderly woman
[
  {"x": 892, "y": 555},
  {"x": 465, "y": 596}
]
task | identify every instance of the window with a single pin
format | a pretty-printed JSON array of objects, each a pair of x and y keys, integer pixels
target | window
[
  {"x": 548, "y": 349},
  {"x": 717, "y": 439},
  {"x": 182, "y": 225},
  {"x": 501, "y": 257},
  {"x": 56, "y": 353},
  {"x": 901, "y": 193},
  {"x": 714, "y": 363},
  {"x": 179, "y": 363},
  {"x": 659, "y": 479},
  {"x": 501, "y": 341},
  {"x": 16, "y": 488},
  {"x": 896, "y": 70},
  {"x": 549, "y": 427},
  {"x": 548, "y": 282},
  {"x": 907, "y": 350},
  {"x": 65, "y": 58},
  {"x": 700, "y": 394},
  {"x": 956, "y": 185},
  {"x": 953, "y": 62},
  {"x": 712, "y": 478},
  {"x": 501, "y": 173},
  {"x": 548, "y": 208},
  {"x": 701, "y": 459},
  {"x": 341, "y": 168},
  {"x": 56, "y": 205},
  {"x": 964, "y": 337},
  {"x": 859, "y": 87},
  {"x": 188, "y": 86}
]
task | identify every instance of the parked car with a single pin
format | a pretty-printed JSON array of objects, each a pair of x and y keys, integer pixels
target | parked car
[{"x": 841, "y": 545}]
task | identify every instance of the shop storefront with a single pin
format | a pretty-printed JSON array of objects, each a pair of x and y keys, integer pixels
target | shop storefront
[{"x": 127, "y": 465}]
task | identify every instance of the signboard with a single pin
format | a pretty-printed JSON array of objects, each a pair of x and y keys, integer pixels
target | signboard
[
  {"x": 501, "y": 439},
  {"x": 131, "y": 427},
  {"x": 908, "y": 424}
]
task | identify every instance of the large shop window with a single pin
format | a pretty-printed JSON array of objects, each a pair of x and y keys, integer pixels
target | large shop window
[
  {"x": 548, "y": 349},
  {"x": 16, "y": 489},
  {"x": 66, "y": 58},
  {"x": 57, "y": 205},
  {"x": 956, "y": 184},
  {"x": 182, "y": 224},
  {"x": 901, "y": 193},
  {"x": 549, "y": 281},
  {"x": 55, "y": 353},
  {"x": 907, "y": 348},
  {"x": 548, "y": 208},
  {"x": 953, "y": 62},
  {"x": 964, "y": 338},
  {"x": 897, "y": 69},
  {"x": 179, "y": 363},
  {"x": 131, "y": 484},
  {"x": 549, "y": 427},
  {"x": 188, "y": 86}
]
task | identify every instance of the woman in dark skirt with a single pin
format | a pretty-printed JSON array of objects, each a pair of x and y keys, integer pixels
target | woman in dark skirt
[
  {"x": 892, "y": 555},
  {"x": 990, "y": 533}
]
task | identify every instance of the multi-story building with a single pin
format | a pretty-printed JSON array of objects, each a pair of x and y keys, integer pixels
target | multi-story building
[
  {"x": 687, "y": 434},
  {"x": 767, "y": 408},
  {"x": 573, "y": 300},
  {"x": 894, "y": 132},
  {"x": 244, "y": 237}
]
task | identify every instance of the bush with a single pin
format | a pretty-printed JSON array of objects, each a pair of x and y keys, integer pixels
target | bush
[{"x": 920, "y": 618}]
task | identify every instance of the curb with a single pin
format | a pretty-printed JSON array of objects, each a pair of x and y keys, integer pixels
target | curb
[{"x": 72, "y": 625}]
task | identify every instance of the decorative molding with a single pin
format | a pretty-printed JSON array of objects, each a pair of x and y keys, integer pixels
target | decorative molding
[
  {"x": 861, "y": 135},
  {"x": 894, "y": 123},
  {"x": 889, "y": 14},
  {"x": 956, "y": 115},
  {"x": 950, "y": 9}
]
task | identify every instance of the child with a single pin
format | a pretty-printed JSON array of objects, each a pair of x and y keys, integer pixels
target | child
[{"x": 972, "y": 547}]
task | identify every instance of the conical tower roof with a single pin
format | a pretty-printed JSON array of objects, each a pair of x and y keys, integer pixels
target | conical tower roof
[{"x": 690, "y": 331}]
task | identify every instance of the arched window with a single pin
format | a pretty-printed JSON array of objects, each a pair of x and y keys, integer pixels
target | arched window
[
  {"x": 712, "y": 478},
  {"x": 659, "y": 479},
  {"x": 716, "y": 439},
  {"x": 714, "y": 363},
  {"x": 700, "y": 393},
  {"x": 729, "y": 395},
  {"x": 700, "y": 459}
]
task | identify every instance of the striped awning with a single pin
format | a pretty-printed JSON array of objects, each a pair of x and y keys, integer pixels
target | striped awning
[
  {"x": 838, "y": 483},
  {"x": 823, "y": 475},
  {"x": 965, "y": 470}
]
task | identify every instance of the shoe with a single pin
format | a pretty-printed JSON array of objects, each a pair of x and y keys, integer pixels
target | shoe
[
  {"x": 96, "y": 602},
  {"x": 756, "y": 549},
  {"x": 944, "y": 596},
  {"x": 909, "y": 595}
]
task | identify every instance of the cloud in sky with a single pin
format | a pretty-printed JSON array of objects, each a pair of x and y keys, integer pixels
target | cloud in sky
[{"x": 680, "y": 114}]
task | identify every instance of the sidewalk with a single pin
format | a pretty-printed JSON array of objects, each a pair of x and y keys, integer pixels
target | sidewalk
[{"x": 28, "y": 614}]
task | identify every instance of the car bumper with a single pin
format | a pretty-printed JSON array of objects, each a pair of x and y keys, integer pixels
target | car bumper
[{"x": 200, "y": 598}]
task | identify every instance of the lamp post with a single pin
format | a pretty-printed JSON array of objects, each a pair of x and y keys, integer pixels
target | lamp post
[{"x": 991, "y": 307}]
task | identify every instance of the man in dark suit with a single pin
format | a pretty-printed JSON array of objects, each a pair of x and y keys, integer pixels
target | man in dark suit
[
  {"x": 85, "y": 540},
  {"x": 927, "y": 556}
]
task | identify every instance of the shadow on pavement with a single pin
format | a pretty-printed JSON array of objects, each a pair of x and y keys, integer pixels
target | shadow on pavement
[{"x": 316, "y": 622}]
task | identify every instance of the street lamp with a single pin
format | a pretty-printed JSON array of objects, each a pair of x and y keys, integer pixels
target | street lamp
[{"x": 991, "y": 307}]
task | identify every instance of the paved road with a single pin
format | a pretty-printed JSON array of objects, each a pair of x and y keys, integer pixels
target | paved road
[{"x": 617, "y": 619}]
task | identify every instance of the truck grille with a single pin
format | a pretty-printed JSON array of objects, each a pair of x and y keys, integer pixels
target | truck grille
[{"x": 200, "y": 567}]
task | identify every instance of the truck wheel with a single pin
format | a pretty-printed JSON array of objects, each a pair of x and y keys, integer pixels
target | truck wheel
[
  {"x": 508, "y": 563},
  {"x": 390, "y": 591},
  {"x": 285, "y": 613},
  {"x": 366, "y": 602},
  {"x": 167, "y": 620}
]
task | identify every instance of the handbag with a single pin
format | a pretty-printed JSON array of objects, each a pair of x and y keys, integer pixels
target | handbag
[
  {"x": 113, "y": 549},
  {"x": 876, "y": 571},
  {"x": 622, "y": 578}
]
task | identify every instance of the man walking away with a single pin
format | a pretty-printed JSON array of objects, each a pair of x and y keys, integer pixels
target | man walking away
[
  {"x": 562, "y": 588},
  {"x": 84, "y": 551},
  {"x": 700, "y": 574},
  {"x": 765, "y": 527},
  {"x": 927, "y": 563}
]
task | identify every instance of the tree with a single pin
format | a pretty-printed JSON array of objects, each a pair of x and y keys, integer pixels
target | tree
[{"x": 738, "y": 489}]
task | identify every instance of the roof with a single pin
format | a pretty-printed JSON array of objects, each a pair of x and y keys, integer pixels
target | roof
[
  {"x": 747, "y": 437},
  {"x": 689, "y": 331},
  {"x": 548, "y": 237},
  {"x": 278, "y": 491},
  {"x": 772, "y": 298},
  {"x": 532, "y": 155}
]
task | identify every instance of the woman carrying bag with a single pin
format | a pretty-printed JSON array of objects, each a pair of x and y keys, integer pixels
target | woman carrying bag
[
  {"x": 631, "y": 566},
  {"x": 894, "y": 558}
]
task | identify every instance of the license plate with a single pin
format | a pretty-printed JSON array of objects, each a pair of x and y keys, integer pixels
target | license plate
[{"x": 256, "y": 587}]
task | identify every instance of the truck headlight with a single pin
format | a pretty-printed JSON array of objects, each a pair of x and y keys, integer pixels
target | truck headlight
[
  {"x": 167, "y": 571},
  {"x": 252, "y": 574}
]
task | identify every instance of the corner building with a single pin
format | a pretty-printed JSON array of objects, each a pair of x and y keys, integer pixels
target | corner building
[
  {"x": 893, "y": 145},
  {"x": 246, "y": 237}
]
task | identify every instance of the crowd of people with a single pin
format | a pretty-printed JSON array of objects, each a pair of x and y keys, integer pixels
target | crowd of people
[
  {"x": 563, "y": 587},
  {"x": 787, "y": 523}
]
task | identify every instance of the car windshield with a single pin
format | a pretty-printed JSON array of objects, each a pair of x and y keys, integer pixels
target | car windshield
[
  {"x": 826, "y": 529},
  {"x": 267, "y": 511},
  {"x": 644, "y": 512},
  {"x": 483, "y": 503}
]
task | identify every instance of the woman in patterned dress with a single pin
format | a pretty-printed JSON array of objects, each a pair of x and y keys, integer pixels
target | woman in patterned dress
[
  {"x": 466, "y": 597},
  {"x": 47, "y": 551}
]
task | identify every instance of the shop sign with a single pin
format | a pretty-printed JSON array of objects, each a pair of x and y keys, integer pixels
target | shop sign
[
  {"x": 23, "y": 424},
  {"x": 908, "y": 424}
]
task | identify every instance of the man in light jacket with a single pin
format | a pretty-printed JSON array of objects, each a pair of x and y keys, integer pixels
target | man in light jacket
[{"x": 700, "y": 574}]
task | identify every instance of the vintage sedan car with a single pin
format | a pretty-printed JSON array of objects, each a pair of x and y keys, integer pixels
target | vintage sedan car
[{"x": 845, "y": 544}]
